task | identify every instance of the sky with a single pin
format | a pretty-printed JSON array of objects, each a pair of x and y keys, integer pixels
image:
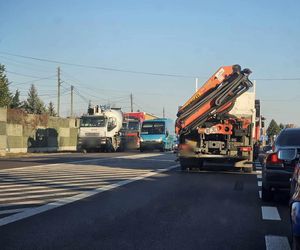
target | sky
[{"x": 185, "y": 38}]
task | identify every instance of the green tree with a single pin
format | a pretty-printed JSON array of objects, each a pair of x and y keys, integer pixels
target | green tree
[
  {"x": 281, "y": 126},
  {"x": 51, "y": 110},
  {"x": 5, "y": 95},
  {"x": 15, "y": 101},
  {"x": 33, "y": 104},
  {"x": 273, "y": 129}
]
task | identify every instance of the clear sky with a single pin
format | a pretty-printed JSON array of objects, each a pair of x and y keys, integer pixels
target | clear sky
[{"x": 192, "y": 38}]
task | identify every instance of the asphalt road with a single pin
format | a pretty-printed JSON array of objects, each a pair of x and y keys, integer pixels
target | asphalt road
[{"x": 133, "y": 201}]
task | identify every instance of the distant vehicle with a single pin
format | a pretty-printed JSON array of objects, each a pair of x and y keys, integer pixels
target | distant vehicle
[
  {"x": 132, "y": 127},
  {"x": 100, "y": 130},
  {"x": 157, "y": 134},
  {"x": 175, "y": 146},
  {"x": 264, "y": 151},
  {"x": 130, "y": 133},
  {"x": 277, "y": 172}
]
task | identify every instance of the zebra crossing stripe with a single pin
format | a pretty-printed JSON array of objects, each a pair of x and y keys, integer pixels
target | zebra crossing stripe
[{"x": 63, "y": 201}]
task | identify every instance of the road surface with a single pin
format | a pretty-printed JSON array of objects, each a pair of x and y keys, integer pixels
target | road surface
[{"x": 134, "y": 201}]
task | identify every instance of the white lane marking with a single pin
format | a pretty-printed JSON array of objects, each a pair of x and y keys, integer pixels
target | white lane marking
[
  {"x": 60, "y": 202},
  {"x": 162, "y": 160},
  {"x": 277, "y": 242},
  {"x": 259, "y": 183},
  {"x": 270, "y": 213},
  {"x": 66, "y": 179},
  {"x": 259, "y": 194},
  {"x": 24, "y": 203},
  {"x": 11, "y": 211},
  {"x": 11, "y": 193},
  {"x": 259, "y": 176},
  {"x": 52, "y": 164},
  {"x": 258, "y": 171},
  {"x": 258, "y": 168},
  {"x": 37, "y": 196},
  {"x": 137, "y": 156}
]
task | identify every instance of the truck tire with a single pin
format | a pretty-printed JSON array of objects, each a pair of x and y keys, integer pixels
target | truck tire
[
  {"x": 184, "y": 165},
  {"x": 266, "y": 194},
  {"x": 142, "y": 150}
]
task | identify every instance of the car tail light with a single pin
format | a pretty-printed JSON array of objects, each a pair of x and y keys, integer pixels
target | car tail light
[
  {"x": 273, "y": 159},
  {"x": 245, "y": 149}
]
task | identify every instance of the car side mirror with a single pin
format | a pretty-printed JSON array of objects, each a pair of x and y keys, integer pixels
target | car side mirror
[{"x": 287, "y": 154}]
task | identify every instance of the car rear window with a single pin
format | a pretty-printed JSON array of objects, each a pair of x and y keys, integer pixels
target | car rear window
[{"x": 289, "y": 138}]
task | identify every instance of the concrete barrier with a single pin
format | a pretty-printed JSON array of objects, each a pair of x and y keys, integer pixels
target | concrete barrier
[{"x": 21, "y": 132}]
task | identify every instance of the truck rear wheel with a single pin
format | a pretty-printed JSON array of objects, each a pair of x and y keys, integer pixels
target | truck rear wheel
[
  {"x": 184, "y": 164},
  {"x": 248, "y": 170}
]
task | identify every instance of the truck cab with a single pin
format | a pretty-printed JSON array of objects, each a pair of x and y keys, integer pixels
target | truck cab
[{"x": 99, "y": 130}]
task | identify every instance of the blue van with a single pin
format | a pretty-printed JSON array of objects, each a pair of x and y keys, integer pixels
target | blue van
[{"x": 157, "y": 134}]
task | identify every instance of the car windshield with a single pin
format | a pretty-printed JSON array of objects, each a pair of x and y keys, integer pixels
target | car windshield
[
  {"x": 153, "y": 128},
  {"x": 289, "y": 137},
  {"x": 133, "y": 126},
  {"x": 92, "y": 121}
]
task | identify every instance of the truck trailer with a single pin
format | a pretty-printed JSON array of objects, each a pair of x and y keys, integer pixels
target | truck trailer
[{"x": 216, "y": 125}]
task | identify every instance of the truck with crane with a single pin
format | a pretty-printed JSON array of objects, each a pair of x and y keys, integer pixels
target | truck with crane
[
  {"x": 212, "y": 127},
  {"x": 100, "y": 129}
]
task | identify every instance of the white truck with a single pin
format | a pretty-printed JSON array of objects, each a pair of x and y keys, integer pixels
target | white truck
[{"x": 99, "y": 130}]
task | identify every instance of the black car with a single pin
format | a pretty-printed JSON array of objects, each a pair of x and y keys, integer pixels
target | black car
[{"x": 277, "y": 172}]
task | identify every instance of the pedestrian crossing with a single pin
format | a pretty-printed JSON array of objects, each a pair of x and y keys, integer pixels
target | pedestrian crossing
[{"x": 22, "y": 189}]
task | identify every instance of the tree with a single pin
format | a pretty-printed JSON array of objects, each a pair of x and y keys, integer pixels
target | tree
[
  {"x": 5, "y": 95},
  {"x": 281, "y": 126},
  {"x": 273, "y": 129},
  {"x": 15, "y": 101},
  {"x": 33, "y": 104},
  {"x": 51, "y": 110}
]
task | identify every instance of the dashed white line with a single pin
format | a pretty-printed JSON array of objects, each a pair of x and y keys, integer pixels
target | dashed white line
[
  {"x": 259, "y": 176},
  {"x": 259, "y": 183},
  {"x": 137, "y": 156},
  {"x": 277, "y": 242},
  {"x": 270, "y": 213},
  {"x": 259, "y": 194}
]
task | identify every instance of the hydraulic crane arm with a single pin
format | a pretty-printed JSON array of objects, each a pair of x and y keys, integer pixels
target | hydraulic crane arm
[{"x": 216, "y": 96}]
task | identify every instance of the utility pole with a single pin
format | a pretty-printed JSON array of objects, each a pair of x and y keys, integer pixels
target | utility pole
[
  {"x": 58, "y": 90},
  {"x": 164, "y": 115},
  {"x": 72, "y": 89},
  {"x": 196, "y": 87},
  {"x": 131, "y": 102}
]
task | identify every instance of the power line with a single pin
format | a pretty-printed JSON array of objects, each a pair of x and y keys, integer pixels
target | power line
[
  {"x": 32, "y": 81},
  {"x": 131, "y": 71},
  {"x": 99, "y": 67},
  {"x": 31, "y": 76}
]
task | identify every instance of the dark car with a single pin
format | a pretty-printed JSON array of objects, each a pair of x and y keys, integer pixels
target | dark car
[
  {"x": 295, "y": 201},
  {"x": 277, "y": 172}
]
